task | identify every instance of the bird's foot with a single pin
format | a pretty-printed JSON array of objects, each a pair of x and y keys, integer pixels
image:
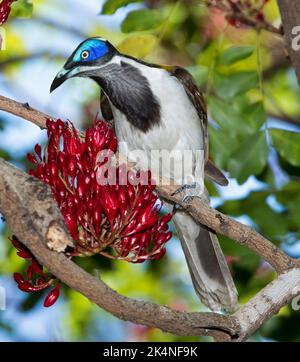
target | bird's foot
[{"x": 189, "y": 191}]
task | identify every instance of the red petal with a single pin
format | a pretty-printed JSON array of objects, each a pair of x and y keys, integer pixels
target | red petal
[
  {"x": 38, "y": 151},
  {"x": 19, "y": 279},
  {"x": 52, "y": 297},
  {"x": 24, "y": 254},
  {"x": 31, "y": 158},
  {"x": 16, "y": 243},
  {"x": 37, "y": 267}
]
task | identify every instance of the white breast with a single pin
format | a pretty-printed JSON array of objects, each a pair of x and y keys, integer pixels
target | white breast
[{"x": 180, "y": 127}]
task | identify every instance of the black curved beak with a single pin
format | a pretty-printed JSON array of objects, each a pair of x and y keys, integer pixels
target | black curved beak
[{"x": 61, "y": 77}]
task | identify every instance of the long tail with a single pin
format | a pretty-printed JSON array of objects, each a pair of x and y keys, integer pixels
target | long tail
[{"x": 207, "y": 265}]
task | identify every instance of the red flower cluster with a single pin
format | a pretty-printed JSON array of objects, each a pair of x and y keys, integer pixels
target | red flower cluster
[
  {"x": 5, "y": 8},
  {"x": 120, "y": 217},
  {"x": 36, "y": 280},
  {"x": 240, "y": 13},
  {"x": 119, "y": 220}
]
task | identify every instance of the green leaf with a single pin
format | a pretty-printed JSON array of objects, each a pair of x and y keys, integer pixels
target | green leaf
[
  {"x": 111, "y": 6},
  {"x": 199, "y": 73},
  {"x": 22, "y": 9},
  {"x": 221, "y": 146},
  {"x": 269, "y": 222},
  {"x": 255, "y": 115},
  {"x": 223, "y": 113},
  {"x": 142, "y": 19},
  {"x": 284, "y": 327},
  {"x": 250, "y": 158},
  {"x": 247, "y": 259},
  {"x": 229, "y": 86},
  {"x": 5, "y": 155},
  {"x": 138, "y": 46},
  {"x": 293, "y": 206},
  {"x": 234, "y": 54},
  {"x": 237, "y": 116},
  {"x": 287, "y": 144}
]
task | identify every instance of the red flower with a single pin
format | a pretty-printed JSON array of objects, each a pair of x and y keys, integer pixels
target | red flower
[
  {"x": 35, "y": 280},
  {"x": 119, "y": 220},
  {"x": 5, "y": 8},
  {"x": 52, "y": 296}
]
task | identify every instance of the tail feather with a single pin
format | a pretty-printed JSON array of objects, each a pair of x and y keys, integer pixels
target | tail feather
[
  {"x": 214, "y": 174},
  {"x": 207, "y": 265}
]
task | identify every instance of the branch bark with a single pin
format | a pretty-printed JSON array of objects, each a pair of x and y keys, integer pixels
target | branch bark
[
  {"x": 267, "y": 303},
  {"x": 34, "y": 224},
  {"x": 290, "y": 14},
  {"x": 24, "y": 111},
  {"x": 41, "y": 226},
  {"x": 201, "y": 212}
]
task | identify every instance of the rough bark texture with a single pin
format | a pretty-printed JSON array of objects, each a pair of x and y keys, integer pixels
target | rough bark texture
[
  {"x": 23, "y": 110},
  {"x": 290, "y": 14},
  {"x": 267, "y": 302},
  {"x": 31, "y": 212},
  {"x": 34, "y": 217},
  {"x": 201, "y": 212}
]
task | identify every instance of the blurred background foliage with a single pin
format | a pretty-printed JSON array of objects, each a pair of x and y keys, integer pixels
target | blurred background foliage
[{"x": 253, "y": 104}]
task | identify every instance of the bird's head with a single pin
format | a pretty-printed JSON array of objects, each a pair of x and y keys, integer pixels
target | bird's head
[{"x": 88, "y": 58}]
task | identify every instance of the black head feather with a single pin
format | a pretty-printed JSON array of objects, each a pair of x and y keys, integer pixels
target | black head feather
[{"x": 129, "y": 91}]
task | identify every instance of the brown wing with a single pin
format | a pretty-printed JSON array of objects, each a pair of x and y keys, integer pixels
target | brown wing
[{"x": 196, "y": 97}]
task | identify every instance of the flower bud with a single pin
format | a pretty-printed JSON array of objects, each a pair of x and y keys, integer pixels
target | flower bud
[
  {"x": 52, "y": 297},
  {"x": 38, "y": 151}
]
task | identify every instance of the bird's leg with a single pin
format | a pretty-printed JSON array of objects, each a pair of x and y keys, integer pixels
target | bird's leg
[{"x": 189, "y": 191}]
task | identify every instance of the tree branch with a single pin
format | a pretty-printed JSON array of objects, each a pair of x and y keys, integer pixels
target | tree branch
[
  {"x": 37, "y": 226},
  {"x": 267, "y": 303},
  {"x": 200, "y": 211},
  {"x": 41, "y": 226},
  {"x": 24, "y": 111},
  {"x": 290, "y": 14}
]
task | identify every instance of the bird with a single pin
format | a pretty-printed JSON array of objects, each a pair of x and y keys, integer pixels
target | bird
[{"x": 156, "y": 107}]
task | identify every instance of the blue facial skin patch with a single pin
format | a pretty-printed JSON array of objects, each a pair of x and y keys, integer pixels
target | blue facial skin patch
[{"x": 96, "y": 48}]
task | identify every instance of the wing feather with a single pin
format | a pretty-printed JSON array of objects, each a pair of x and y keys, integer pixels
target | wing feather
[{"x": 197, "y": 99}]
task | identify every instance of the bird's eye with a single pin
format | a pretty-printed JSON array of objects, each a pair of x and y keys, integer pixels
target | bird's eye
[{"x": 85, "y": 54}]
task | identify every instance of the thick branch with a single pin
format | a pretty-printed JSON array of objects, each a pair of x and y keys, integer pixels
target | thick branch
[
  {"x": 268, "y": 302},
  {"x": 290, "y": 14},
  {"x": 42, "y": 224},
  {"x": 24, "y": 111},
  {"x": 38, "y": 224},
  {"x": 235, "y": 230},
  {"x": 203, "y": 213}
]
